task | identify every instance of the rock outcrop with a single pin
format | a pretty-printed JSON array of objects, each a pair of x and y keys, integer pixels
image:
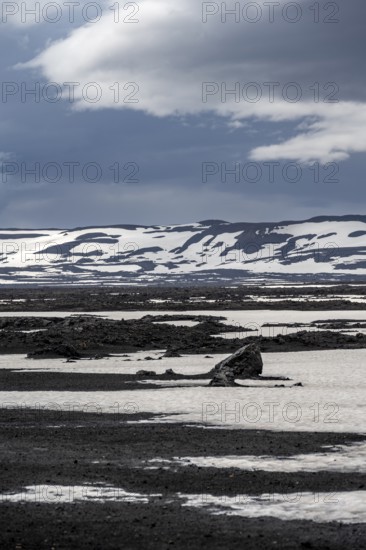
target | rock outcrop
[
  {"x": 61, "y": 350},
  {"x": 170, "y": 352},
  {"x": 244, "y": 363},
  {"x": 145, "y": 373}
]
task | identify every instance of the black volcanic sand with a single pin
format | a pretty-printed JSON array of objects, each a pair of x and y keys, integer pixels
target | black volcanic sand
[
  {"x": 19, "y": 380},
  {"x": 161, "y": 526},
  {"x": 53, "y": 448},
  {"x": 74, "y": 298}
]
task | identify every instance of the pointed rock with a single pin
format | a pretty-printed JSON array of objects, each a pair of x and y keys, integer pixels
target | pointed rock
[{"x": 246, "y": 362}]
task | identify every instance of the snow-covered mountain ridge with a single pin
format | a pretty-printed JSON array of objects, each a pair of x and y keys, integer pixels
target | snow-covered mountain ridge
[{"x": 324, "y": 248}]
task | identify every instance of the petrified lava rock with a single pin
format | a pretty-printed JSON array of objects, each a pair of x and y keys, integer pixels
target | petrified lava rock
[{"x": 244, "y": 363}]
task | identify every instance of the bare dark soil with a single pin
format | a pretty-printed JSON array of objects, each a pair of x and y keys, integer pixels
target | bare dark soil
[{"x": 71, "y": 448}]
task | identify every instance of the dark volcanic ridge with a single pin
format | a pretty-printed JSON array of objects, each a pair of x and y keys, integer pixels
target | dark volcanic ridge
[{"x": 85, "y": 336}]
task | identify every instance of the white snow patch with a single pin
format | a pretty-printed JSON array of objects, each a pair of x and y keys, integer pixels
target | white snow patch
[
  {"x": 346, "y": 459},
  {"x": 342, "y": 507},
  {"x": 61, "y": 494}
]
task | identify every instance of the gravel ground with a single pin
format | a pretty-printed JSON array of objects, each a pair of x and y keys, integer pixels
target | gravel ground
[{"x": 40, "y": 447}]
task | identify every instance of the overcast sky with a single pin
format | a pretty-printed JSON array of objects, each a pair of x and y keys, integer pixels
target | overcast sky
[{"x": 170, "y": 112}]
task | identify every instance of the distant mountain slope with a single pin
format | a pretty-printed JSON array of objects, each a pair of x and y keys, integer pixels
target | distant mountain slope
[{"x": 322, "y": 248}]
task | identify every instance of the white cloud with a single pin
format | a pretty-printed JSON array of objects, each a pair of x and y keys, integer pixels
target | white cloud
[
  {"x": 337, "y": 132},
  {"x": 169, "y": 53}
]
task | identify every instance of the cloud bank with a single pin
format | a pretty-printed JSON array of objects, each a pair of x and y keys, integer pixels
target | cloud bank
[{"x": 170, "y": 63}]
